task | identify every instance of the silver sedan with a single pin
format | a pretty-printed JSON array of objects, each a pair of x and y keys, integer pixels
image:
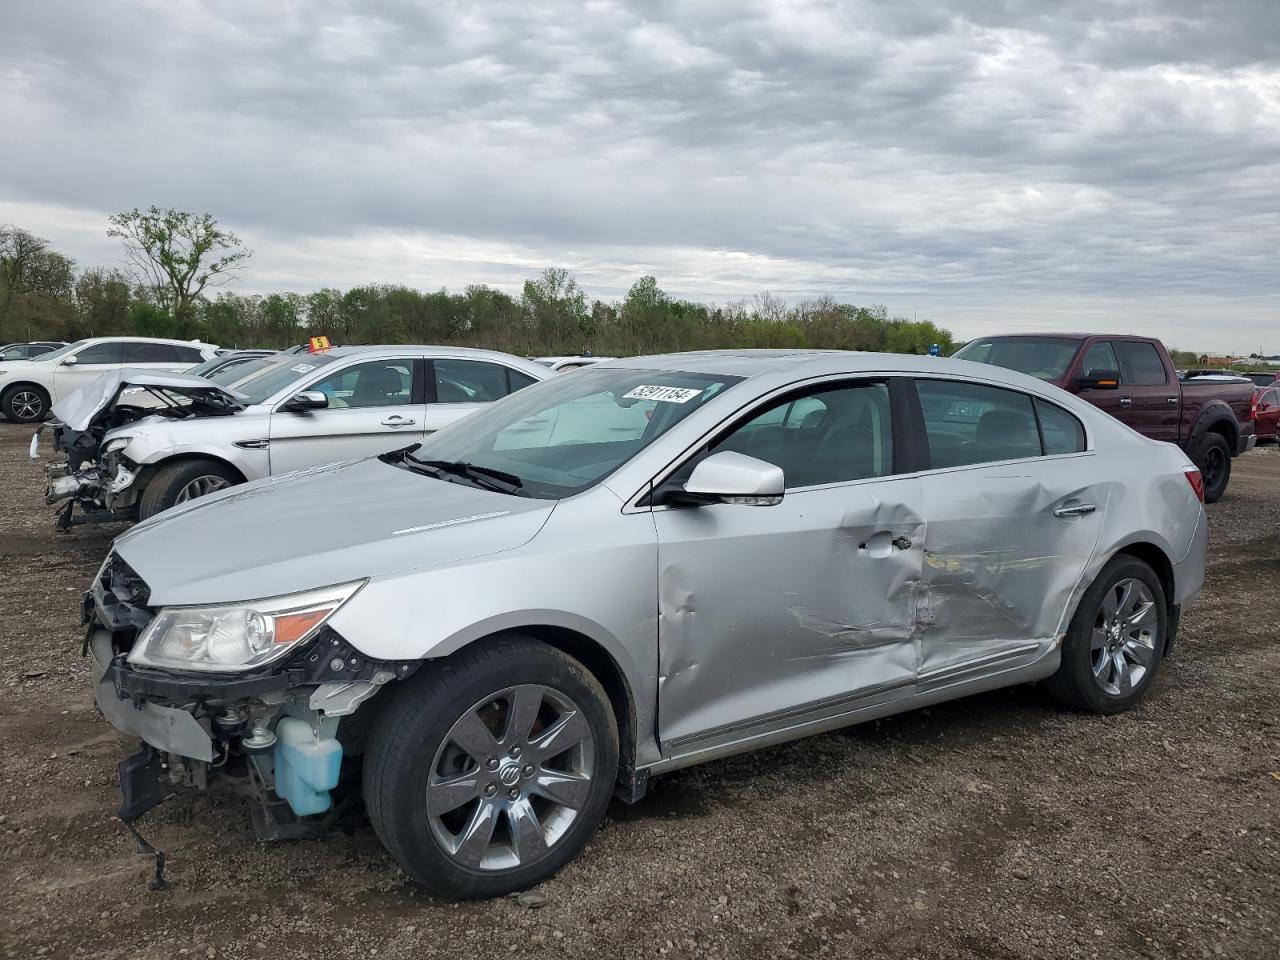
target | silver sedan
[{"x": 649, "y": 564}]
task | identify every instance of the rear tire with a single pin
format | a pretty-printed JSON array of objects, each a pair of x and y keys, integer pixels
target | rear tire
[
  {"x": 182, "y": 481},
  {"x": 489, "y": 771},
  {"x": 1116, "y": 641},
  {"x": 25, "y": 403},
  {"x": 1213, "y": 460}
]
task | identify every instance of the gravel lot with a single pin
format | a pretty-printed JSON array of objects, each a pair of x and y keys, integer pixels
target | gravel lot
[{"x": 997, "y": 826}]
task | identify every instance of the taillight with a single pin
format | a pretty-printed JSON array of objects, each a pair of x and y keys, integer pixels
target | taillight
[
  {"x": 1197, "y": 482},
  {"x": 1253, "y": 405}
]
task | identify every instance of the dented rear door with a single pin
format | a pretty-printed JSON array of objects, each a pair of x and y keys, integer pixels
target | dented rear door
[{"x": 1007, "y": 541}]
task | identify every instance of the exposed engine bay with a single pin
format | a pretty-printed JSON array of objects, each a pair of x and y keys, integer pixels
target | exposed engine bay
[{"x": 95, "y": 474}]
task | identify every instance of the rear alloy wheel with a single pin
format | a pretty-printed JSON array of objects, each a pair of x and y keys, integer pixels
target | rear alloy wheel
[
  {"x": 25, "y": 404},
  {"x": 489, "y": 771},
  {"x": 182, "y": 481},
  {"x": 1214, "y": 462},
  {"x": 1116, "y": 640}
]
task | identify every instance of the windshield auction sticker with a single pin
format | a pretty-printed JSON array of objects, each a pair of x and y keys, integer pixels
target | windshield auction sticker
[{"x": 665, "y": 394}]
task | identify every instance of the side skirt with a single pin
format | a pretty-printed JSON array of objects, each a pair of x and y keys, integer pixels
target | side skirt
[{"x": 872, "y": 705}]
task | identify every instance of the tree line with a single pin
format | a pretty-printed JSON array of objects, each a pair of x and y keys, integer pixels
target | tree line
[{"x": 175, "y": 261}]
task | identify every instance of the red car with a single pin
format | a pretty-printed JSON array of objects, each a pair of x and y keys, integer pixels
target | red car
[{"x": 1266, "y": 411}]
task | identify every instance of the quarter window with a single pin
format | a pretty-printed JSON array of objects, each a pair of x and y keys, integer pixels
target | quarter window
[
  {"x": 1061, "y": 432},
  {"x": 189, "y": 355},
  {"x": 376, "y": 383},
  {"x": 968, "y": 423},
  {"x": 831, "y": 436}
]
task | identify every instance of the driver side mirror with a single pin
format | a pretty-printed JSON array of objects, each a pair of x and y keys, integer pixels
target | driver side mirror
[
  {"x": 729, "y": 477},
  {"x": 70, "y": 361},
  {"x": 1099, "y": 380},
  {"x": 307, "y": 400}
]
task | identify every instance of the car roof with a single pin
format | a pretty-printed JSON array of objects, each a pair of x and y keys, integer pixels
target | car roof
[{"x": 198, "y": 344}]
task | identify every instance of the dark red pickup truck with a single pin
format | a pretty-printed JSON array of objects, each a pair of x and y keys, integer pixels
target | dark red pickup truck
[{"x": 1133, "y": 379}]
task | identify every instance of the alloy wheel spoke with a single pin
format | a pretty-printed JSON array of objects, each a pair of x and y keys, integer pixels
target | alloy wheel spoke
[
  {"x": 522, "y": 714},
  {"x": 475, "y": 837},
  {"x": 1139, "y": 618},
  {"x": 568, "y": 731},
  {"x": 1140, "y": 653},
  {"x": 1125, "y": 600},
  {"x": 527, "y": 838},
  {"x": 1102, "y": 666},
  {"x": 451, "y": 793},
  {"x": 1122, "y": 680},
  {"x": 473, "y": 736},
  {"x": 1098, "y": 638},
  {"x": 567, "y": 789}
]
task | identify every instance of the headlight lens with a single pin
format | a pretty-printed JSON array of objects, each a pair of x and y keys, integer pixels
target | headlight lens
[
  {"x": 235, "y": 637},
  {"x": 116, "y": 443}
]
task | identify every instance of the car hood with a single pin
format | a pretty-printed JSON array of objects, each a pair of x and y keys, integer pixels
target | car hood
[
  {"x": 80, "y": 408},
  {"x": 313, "y": 528}
]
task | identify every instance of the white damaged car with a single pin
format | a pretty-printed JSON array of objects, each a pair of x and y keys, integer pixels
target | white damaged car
[{"x": 137, "y": 442}]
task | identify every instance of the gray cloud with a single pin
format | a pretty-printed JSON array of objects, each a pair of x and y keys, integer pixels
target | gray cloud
[{"x": 986, "y": 162}]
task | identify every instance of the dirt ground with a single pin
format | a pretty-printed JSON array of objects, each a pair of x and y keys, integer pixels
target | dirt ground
[{"x": 996, "y": 826}]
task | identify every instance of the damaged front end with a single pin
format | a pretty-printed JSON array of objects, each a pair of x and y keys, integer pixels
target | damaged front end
[
  {"x": 95, "y": 474},
  {"x": 279, "y": 730}
]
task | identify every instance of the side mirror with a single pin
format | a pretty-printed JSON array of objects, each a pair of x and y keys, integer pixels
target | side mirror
[
  {"x": 71, "y": 361},
  {"x": 307, "y": 400},
  {"x": 1099, "y": 380},
  {"x": 732, "y": 478}
]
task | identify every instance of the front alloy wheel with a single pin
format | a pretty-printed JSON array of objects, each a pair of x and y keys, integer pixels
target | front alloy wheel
[
  {"x": 487, "y": 771},
  {"x": 512, "y": 775}
]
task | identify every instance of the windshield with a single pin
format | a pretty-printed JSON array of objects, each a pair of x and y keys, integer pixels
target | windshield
[
  {"x": 1045, "y": 358},
  {"x": 61, "y": 351},
  {"x": 259, "y": 383},
  {"x": 562, "y": 436},
  {"x": 240, "y": 369}
]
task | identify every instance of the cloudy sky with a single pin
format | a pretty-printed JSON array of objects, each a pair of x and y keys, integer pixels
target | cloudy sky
[{"x": 988, "y": 164}]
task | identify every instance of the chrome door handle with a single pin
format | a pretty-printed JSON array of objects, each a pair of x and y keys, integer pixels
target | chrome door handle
[
  {"x": 1173, "y": 400},
  {"x": 398, "y": 421},
  {"x": 1075, "y": 510},
  {"x": 1126, "y": 401}
]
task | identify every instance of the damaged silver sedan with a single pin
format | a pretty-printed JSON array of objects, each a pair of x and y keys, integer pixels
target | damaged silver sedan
[{"x": 650, "y": 564}]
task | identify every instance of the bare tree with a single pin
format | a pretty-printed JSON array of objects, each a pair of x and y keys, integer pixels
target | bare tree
[{"x": 178, "y": 254}]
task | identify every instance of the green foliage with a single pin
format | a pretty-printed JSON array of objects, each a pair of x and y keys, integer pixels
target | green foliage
[{"x": 176, "y": 257}]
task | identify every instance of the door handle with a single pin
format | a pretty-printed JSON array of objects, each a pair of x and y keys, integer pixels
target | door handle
[
  {"x": 398, "y": 421},
  {"x": 1173, "y": 400},
  {"x": 1126, "y": 401},
  {"x": 1075, "y": 510},
  {"x": 902, "y": 543}
]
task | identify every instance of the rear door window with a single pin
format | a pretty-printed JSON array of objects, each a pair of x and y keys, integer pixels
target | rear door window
[
  {"x": 150, "y": 353},
  {"x": 969, "y": 423},
  {"x": 470, "y": 381}
]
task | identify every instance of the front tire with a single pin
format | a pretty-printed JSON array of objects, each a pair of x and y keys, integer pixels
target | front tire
[
  {"x": 489, "y": 771},
  {"x": 1116, "y": 640},
  {"x": 1213, "y": 460},
  {"x": 182, "y": 481},
  {"x": 25, "y": 403}
]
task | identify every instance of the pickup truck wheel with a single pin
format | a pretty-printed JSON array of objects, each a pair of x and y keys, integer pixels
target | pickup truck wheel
[
  {"x": 183, "y": 481},
  {"x": 25, "y": 403},
  {"x": 1214, "y": 461},
  {"x": 487, "y": 772},
  {"x": 1116, "y": 640}
]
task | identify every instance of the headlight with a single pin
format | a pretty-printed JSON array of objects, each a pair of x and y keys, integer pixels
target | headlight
[
  {"x": 239, "y": 636},
  {"x": 116, "y": 443}
]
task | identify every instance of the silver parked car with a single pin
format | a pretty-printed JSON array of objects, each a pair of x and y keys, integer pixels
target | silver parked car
[
  {"x": 137, "y": 442},
  {"x": 649, "y": 564}
]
